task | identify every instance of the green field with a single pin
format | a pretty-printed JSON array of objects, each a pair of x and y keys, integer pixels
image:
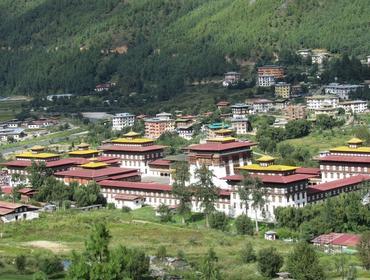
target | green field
[
  {"x": 9, "y": 108},
  {"x": 62, "y": 232}
]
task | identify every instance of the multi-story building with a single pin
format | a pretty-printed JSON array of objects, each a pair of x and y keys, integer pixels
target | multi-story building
[
  {"x": 240, "y": 125},
  {"x": 83, "y": 150},
  {"x": 280, "y": 104},
  {"x": 295, "y": 112},
  {"x": 223, "y": 105},
  {"x": 318, "y": 56},
  {"x": 345, "y": 161},
  {"x": 217, "y": 129},
  {"x": 12, "y": 134},
  {"x": 282, "y": 90},
  {"x": 133, "y": 151},
  {"x": 97, "y": 171},
  {"x": 355, "y": 106},
  {"x": 342, "y": 91},
  {"x": 221, "y": 155},
  {"x": 271, "y": 70},
  {"x": 231, "y": 78},
  {"x": 120, "y": 121},
  {"x": 155, "y": 127},
  {"x": 240, "y": 110},
  {"x": 317, "y": 101},
  {"x": 266, "y": 80},
  {"x": 260, "y": 105},
  {"x": 284, "y": 187},
  {"x": 328, "y": 110}
]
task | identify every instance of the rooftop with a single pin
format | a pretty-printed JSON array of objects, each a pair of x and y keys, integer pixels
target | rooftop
[
  {"x": 91, "y": 173},
  {"x": 220, "y": 147},
  {"x": 94, "y": 164},
  {"x": 132, "y": 140},
  {"x": 83, "y": 152},
  {"x": 353, "y": 180},
  {"x": 136, "y": 185},
  {"x": 31, "y": 155},
  {"x": 342, "y": 239},
  {"x": 346, "y": 149},
  {"x": 272, "y": 179},
  {"x": 271, "y": 168},
  {"x": 137, "y": 149},
  {"x": 353, "y": 159}
]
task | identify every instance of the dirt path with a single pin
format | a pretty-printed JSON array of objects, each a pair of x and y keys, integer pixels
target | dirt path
[{"x": 55, "y": 247}]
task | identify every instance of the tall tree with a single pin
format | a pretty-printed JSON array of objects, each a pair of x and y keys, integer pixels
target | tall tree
[
  {"x": 252, "y": 192},
  {"x": 180, "y": 190},
  {"x": 209, "y": 268},
  {"x": 269, "y": 262},
  {"x": 205, "y": 190},
  {"x": 38, "y": 173},
  {"x": 364, "y": 250},
  {"x": 303, "y": 263}
]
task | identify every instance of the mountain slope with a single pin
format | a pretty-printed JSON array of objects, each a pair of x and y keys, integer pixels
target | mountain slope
[{"x": 63, "y": 45}]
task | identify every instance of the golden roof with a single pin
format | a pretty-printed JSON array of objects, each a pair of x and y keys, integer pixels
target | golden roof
[
  {"x": 223, "y": 131},
  {"x": 272, "y": 168},
  {"x": 83, "y": 152},
  {"x": 266, "y": 159},
  {"x": 355, "y": 140},
  {"x": 132, "y": 141},
  {"x": 94, "y": 164},
  {"x": 221, "y": 139},
  {"x": 37, "y": 156},
  {"x": 131, "y": 134},
  {"x": 83, "y": 145},
  {"x": 37, "y": 148},
  {"x": 346, "y": 149}
]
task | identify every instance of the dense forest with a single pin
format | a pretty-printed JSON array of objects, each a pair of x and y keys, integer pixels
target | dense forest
[{"x": 155, "y": 47}]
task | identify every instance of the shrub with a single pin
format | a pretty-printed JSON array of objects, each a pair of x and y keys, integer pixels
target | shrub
[
  {"x": 39, "y": 276},
  {"x": 244, "y": 225},
  {"x": 20, "y": 263},
  {"x": 218, "y": 220},
  {"x": 165, "y": 214},
  {"x": 269, "y": 261},
  {"x": 111, "y": 206},
  {"x": 50, "y": 265},
  {"x": 161, "y": 252},
  {"x": 248, "y": 254},
  {"x": 126, "y": 209}
]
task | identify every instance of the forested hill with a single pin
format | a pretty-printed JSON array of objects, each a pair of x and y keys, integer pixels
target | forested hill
[{"x": 153, "y": 46}]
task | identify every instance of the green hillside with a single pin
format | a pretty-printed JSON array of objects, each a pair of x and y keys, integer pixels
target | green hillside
[{"x": 155, "y": 46}]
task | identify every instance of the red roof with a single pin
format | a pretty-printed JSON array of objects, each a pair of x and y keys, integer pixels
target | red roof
[
  {"x": 127, "y": 197},
  {"x": 308, "y": 170},
  {"x": 223, "y": 103},
  {"x": 354, "y": 159},
  {"x": 341, "y": 183},
  {"x": 6, "y": 189},
  {"x": 136, "y": 185},
  {"x": 139, "y": 149},
  {"x": 51, "y": 164},
  {"x": 218, "y": 147},
  {"x": 341, "y": 239},
  {"x": 272, "y": 179},
  {"x": 26, "y": 191},
  {"x": 96, "y": 173},
  {"x": 160, "y": 162}
]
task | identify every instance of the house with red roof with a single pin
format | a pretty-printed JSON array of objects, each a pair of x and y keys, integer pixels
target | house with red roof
[
  {"x": 97, "y": 171},
  {"x": 11, "y": 212},
  {"x": 155, "y": 194},
  {"x": 345, "y": 161},
  {"x": 222, "y": 155},
  {"x": 133, "y": 151},
  {"x": 336, "y": 242}
]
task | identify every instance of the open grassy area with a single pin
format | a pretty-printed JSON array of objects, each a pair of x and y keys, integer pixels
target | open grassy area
[
  {"x": 321, "y": 141},
  {"x": 63, "y": 232},
  {"x": 9, "y": 108}
]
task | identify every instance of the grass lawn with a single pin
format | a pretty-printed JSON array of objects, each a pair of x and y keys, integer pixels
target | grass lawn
[
  {"x": 63, "y": 232},
  {"x": 9, "y": 108},
  {"x": 322, "y": 141}
]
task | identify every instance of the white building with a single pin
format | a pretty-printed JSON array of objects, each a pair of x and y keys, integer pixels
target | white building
[
  {"x": 260, "y": 105},
  {"x": 221, "y": 155},
  {"x": 240, "y": 125},
  {"x": 231, "y": 78},
  {"x": 11, "y": 212},
  {"x": 266, "y": 80},
  {"x": 342, "y": 91},
  {"x": 122, "y": 200},
  {"x": 240, "y": 110},
  {"x": 11, "y": 133},
  {"x": 355, "y": 106},
  {"x": 120, "y": 121},
  {"x": 164, "y": 116},
  {"x": 318, "y": 101}
]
